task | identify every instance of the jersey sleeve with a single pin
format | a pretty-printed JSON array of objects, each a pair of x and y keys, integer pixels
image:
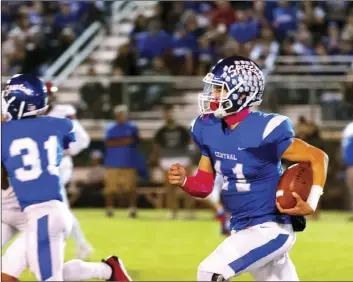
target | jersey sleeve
[
  {"x": 82, "y": 139},
  {"x": 69, "y": 133},
  {"x": 196, "y": 133},
  {"x": 279, "y": 132}
]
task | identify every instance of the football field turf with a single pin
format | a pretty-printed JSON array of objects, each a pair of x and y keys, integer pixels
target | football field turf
[{"x": 154, "y": 248}]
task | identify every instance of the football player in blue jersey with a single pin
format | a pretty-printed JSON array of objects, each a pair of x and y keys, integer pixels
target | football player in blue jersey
[
  {"x": 31, "y": 151},
  {"x": 246, "y": 147}
]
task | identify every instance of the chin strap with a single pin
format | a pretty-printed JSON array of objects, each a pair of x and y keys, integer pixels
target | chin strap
[{"x": 237, "y": 117}]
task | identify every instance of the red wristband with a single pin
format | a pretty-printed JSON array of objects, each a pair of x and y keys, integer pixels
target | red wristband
[{"x": 200, "y": 185}]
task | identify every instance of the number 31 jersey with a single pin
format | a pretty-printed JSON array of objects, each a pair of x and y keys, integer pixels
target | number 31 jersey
[
  {"x": 249, "y": 158},
  {"x": 31, "y": 152}
]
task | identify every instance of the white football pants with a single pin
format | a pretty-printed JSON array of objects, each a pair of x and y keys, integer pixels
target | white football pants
[
  {"x": 48, "y": 226},
  {"x": 261, "y": 250}
]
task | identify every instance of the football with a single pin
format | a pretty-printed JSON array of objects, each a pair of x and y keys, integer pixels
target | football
[{"x": 297, "y": 178}]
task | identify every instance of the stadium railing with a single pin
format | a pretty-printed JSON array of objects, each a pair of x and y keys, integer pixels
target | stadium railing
[
  {"x": 292, "y": 95},
  {"x": 72, "y": 51},
  {"x": 313, "y": 64}
]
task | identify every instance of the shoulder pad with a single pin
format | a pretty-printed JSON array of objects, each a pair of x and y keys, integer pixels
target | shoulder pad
[
  {"x": 63, "y": 111},
  {"x": 263, "y": 127}
]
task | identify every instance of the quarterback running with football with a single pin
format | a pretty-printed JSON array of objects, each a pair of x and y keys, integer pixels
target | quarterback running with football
[{"x": 246, "y": 148}]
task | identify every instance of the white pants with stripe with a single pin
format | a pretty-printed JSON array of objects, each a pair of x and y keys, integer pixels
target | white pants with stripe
[
  {"x": 261, "y": 250},
  {"x": 48, "y": 226}
]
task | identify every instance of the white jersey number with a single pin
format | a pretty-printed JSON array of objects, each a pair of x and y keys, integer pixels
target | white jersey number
[
  {"x": 32, "y": 158},
  {"x": 241, "y": 184}
]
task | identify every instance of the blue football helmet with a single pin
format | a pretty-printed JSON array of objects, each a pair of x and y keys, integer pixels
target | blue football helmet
[
  {"x": 234, "y": 83},
  {"x": 25, "y": 95}
]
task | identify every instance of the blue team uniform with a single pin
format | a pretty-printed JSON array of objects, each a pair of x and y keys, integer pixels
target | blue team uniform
[
  {"x": 347, "y": 145},
  {"x": 249, "y": 158},
  {"x": 32, "y": 150}
]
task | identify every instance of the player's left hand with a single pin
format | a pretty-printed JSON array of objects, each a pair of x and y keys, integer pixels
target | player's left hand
[{"x": 301, "y": 208}]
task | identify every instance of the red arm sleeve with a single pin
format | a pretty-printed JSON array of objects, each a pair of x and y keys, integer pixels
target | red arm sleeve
[{"x": 200, "y": 185}]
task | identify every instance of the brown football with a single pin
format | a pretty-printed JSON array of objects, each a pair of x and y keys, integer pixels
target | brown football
[{"x": 297, "y": 178}]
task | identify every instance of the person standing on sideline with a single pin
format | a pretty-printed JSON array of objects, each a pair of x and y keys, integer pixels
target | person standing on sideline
[
  {"x": 170, "y": 145},
  {"x": 121, "y": 140}
]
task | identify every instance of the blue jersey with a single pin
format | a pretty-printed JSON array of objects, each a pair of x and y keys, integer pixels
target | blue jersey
[
  {"x": 121, "y": 156},
  {"x": 249, "y": 158},
  {"x": 31, "y": 152},
  {"x": 347, "y": 145}
]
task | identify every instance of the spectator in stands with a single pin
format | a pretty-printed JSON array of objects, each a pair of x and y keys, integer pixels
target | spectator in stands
[
  {"x": 205, "y": 56},
  {"x": 91, "y": 94},
  {"x": 303, "y": 41},
  {"x": 313, "y": 14},
  {"x": 66, "y": 38},
  {"x": 332, "y": 41},
  {"x": 50, "y": 36},
  {"x": 13, "y": 52},
  {"x": 120, "y": 159},
  {"x": 184, "y": 48},
  {"x": 154, "y": 43},
  {"x": 347, "y": 31},
  {"x": 346, "y": 48},
  {"x": 172, "y": 14},
  {"x": 6, "y": 17},
  {"x": 189, "y": 20},
  {"x": 284, "y": 19},
  {"x": 266, "y": 49},
  {"x": 65, "y": 17},
  {"x": 171, "y": 146},
  {"x": 223, "y": 14},
  {"x": 125, "y": 63},
  {"x": 244, "y": 30},
  {"x": 140, "y": 25},
  {"x": 35, "y": 55}
]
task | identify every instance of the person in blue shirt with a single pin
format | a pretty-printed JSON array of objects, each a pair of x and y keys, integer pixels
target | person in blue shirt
[
  {"x": 120, "y": 160},
  {"x": 284, "y": 19},
  {"x": 347, "y": 154},
  {"x": 244, "y": 29},
  {"x": 246, "y": 148},
  {"x": 153, "y": 43}
]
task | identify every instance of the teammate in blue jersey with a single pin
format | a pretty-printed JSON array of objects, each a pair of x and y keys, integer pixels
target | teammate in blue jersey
[
  {"x": 32, "y": 148},
  {"x": 246, "y": 148}
]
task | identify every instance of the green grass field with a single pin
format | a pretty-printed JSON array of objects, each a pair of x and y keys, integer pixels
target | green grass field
[{"x": 154, "y": 248}]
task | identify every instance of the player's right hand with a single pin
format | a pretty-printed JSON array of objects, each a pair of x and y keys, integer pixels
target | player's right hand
[{"x": 177, "y": 174}]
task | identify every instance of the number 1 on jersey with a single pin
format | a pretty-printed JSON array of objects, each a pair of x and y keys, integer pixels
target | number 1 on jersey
[{"x": 241, "y": 183}]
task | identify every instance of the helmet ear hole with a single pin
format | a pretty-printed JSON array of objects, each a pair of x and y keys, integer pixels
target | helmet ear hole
[{"x": 227, "y": 104}]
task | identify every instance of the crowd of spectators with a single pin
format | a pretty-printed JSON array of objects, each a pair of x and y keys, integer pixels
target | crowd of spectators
[
  {"x": 190, "y": 36},
  {"x": 35, "y": 33}
]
